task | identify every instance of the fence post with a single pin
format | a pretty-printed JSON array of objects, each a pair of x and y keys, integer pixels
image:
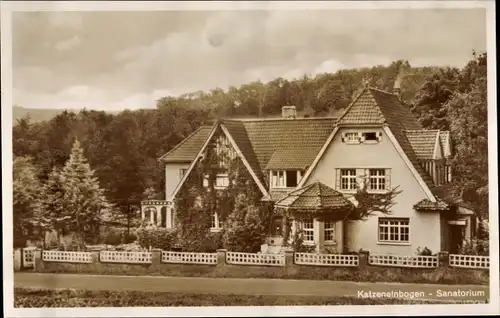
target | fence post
[
  {"x": 364, "y": 259},
  {"x": 156, "y": 256},
  {"x": 221, "y": 257},
  {"x": 444, "y": 259},
  {"x": 18, "y": 255},
  {"x": 289, "y": 261},
  {"x": 37, "y": 260}
]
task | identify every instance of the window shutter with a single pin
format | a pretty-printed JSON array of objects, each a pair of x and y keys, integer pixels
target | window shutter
[
  {"x": 342, "y": 138},
  {"x": 337, "y": 179},
  {"x": 388, "y": 179},
  {"x": 362, "y": 137},
  {"x": 379, "y": 136}
]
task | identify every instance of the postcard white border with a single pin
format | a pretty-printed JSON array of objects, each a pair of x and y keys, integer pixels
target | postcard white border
[{"x": 399, "y": 310}]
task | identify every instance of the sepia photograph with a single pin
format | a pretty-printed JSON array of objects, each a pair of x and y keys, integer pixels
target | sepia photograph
[{"x": 249, "y": 158}]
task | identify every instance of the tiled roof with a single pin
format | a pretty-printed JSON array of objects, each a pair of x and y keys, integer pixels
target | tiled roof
[
  {"x": 239, "y": 134},
  {"x": 423, "y": 142},
  {"x": 316, "y": 196},
  {"x": 286, "y": 158},
  {"x": 445, "y": 193},
  {"x": 294, "y": 142},
  {"x": 444, "y": 139},
  {"x": 304, "y": 135},
  {"x": 426, "y": 204},
  {"x": 189, "y": 147},
  {"x": 373, "y": 106}
]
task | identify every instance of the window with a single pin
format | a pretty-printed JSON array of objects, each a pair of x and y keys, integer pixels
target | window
[
  {"x": 347, "y": 179},
  {"x": 285, "y": 178},
  {"x": 308, "y": 230},
  {"x": 394, "y": 230},
  {"x": 376, "y": 178},
  {"x": 216, "y": 222},
  {"x": 370, "y": 136},
  {"x": 329, "y": 231},
  {"x": 351, "y": 136},
  {"x": 291, "y": 179},
  {"x": 182, "y": 173},
  {"x": 222, "y": 181},
  {"x": 278, "y": 179}
]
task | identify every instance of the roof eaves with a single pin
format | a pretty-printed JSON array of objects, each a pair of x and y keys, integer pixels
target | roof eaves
[{"x": 180, "y": 144}]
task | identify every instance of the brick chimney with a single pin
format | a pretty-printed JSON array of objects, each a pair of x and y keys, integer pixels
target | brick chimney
[{"x": 289, "y": 112}]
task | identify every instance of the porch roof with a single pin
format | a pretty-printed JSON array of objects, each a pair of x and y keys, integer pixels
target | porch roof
[{"x": 315, "y": 198}]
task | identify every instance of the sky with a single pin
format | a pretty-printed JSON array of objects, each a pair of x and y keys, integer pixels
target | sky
[{"x": 118, "y": 60}]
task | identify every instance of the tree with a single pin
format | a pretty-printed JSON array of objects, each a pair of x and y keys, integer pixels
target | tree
[
  {"x": 244, "y": 231},
  {"x": 83, "y": 199},
  {"x": 54, "y": 215},
  {"x": 468, "y": 114},
  {"x": 27, "y": 192}
]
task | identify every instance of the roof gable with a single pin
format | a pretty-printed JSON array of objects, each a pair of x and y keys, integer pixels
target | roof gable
[
  {"x": 423, "y": 143},
  {"x": 445, "y": 141},
  {"x": 187, "y": 149}
]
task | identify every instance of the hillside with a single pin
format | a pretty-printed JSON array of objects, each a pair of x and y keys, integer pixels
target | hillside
[{"x": 39, "y": 114}]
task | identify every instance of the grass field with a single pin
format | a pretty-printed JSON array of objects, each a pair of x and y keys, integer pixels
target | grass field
[{"x": 29, "y": 298}]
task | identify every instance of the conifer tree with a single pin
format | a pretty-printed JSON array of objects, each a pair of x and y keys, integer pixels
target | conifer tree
[{"x": 83, "y": 198}]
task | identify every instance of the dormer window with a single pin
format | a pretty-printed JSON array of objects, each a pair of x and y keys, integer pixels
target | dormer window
[
  {"x": 367, "y": 137},
  {"x": 370, "y": 136},
  {"x": 285, "y": 178}
]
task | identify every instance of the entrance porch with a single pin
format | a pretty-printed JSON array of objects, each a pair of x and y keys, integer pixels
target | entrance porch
[{"x": 315, "y": 214}]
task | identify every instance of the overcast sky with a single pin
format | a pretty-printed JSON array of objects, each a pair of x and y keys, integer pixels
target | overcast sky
[{"x": 117, "y": 60}]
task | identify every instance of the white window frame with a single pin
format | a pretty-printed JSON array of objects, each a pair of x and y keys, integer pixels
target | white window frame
[
  {"x": 219, "y": 176},
  {"x": 225, "y": 181},
  {"x": 307, "y": 232},
  {"x": 375, "y": 180},
  {"x": 351, "y": 137},
  {"x": 329, "y": 232},
  {"x": 391, "y": 231},
  {"x": 216, "y": 223},
  {"x": 274, "y": 176},
  {"x": 351, "y": 185}
]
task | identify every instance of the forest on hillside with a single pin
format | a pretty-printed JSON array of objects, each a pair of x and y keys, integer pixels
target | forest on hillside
[{"x": 123, "y": 148}]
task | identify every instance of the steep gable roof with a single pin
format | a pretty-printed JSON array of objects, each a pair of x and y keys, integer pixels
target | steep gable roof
[
  {"x": 187, "y": 149},
  {"x": 423, "y": 142},
  {"x": 265, "y": 143},
  {"x": 373, "y": 106}
]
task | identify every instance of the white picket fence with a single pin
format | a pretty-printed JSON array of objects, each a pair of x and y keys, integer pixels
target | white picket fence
[
  {"x": 469, "y": 261},
  {"x": 417, "y": 261},
  {"x": 238, "y": 258},
  {"x": 126, "y": 257},
  {"x": 326, "y": 259},
  {"x": 188, "y": 258},
  {"x": 28, "y": 255},
  {"x": 67, "y": 257}
]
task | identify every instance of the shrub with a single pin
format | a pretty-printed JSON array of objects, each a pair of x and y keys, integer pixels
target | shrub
[
  {"x": 212, "y": 243},
  {"x": 299, "y": 246},
  {"x": 156, "y": 237},
  {"x": 479, "y": 245},
  {"x": 424, "y": 252},
  {"x": 113, "y": 237},
  {"x": 244, "y": 230}
]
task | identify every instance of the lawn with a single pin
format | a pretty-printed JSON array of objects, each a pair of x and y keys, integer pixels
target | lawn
[{"x": 29, "y": 298}]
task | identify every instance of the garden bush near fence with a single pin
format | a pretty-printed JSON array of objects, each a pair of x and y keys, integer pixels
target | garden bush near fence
[{"x": 452, "y": 269}]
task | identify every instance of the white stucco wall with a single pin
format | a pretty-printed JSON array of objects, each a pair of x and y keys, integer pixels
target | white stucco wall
[
  {"x": 172, "y": 177},
  {"x": 424, "y": 227}
]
